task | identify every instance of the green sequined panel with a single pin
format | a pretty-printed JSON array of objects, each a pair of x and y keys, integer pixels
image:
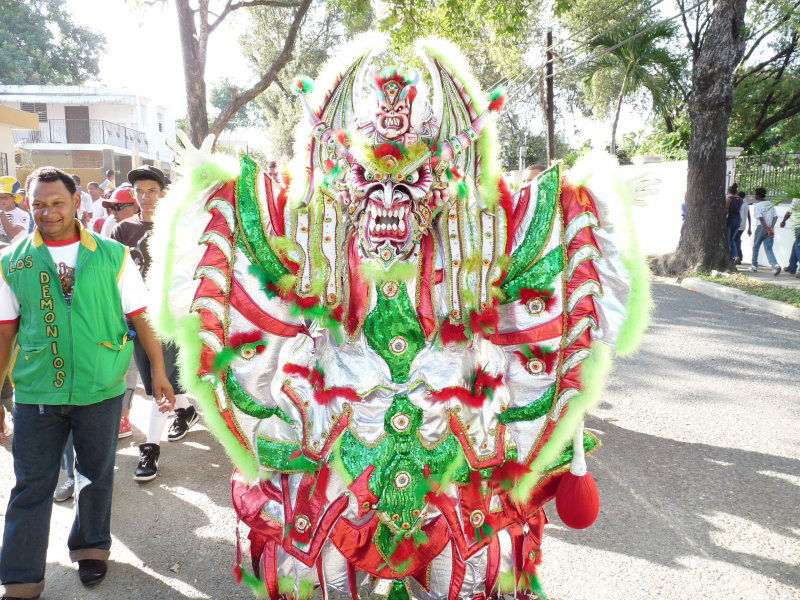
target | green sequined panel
[
  {"x": 393, "y": 331},
  {"x": 242, "y": 400},
  {"x": 255, "y": 243},
  {"x": 589, "y": 442},
  {"x": 531, "y": 411},
  {"x": 278, "y": 456},
  {"x": 538, "y": 231},
  {"x": 540, "y": 276},
  {"x": 399, "y": 459}
]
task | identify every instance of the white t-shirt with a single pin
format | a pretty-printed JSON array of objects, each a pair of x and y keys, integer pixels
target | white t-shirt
[
  {"x": 766, "y": 210},
  {"x": 794, "y": 207},
  {"x": 98, "y": 210},
  {"x": 743, "y": 215},
  {"x": 18, "y": 217},
  {"x": 86, "y": 205},
  {"x": 131, "y": 287},
  {"x": 108, "y": 225}
]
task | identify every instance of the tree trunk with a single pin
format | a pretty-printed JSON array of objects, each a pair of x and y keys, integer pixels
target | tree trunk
[
  {"x": 613, "y": 146},
  {"x": 194, "y": 68},
  {"x": 703, "y": 245}
]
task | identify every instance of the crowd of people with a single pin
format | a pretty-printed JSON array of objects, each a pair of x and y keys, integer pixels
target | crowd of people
[{"x": 765, "y": 218}]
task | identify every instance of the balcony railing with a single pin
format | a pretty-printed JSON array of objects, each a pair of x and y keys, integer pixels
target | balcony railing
[{"x": 83, "y": 131}]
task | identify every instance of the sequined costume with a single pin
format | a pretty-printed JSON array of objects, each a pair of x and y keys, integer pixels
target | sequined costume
[{"x": 393, "y": 349}]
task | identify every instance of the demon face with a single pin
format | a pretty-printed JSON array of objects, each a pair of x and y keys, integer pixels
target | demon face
[
  {"x": 394, "y": 209},
  {"x": 393, "y": 121}
]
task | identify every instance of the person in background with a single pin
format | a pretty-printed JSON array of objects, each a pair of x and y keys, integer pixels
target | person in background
[
  {"x": 794, "y": 214},
  {"x": 84, "y": 211},
  {"x": 108, "y": 182},
  {"x": 733, "y": 207},
  {"x": 14, "y": 222},
  {"x": 765, "y": 218},
  {"x": 122, "y": 205},
  {"x": 149, "y": 184},
  {"x": 96, "y": 194},
  {"x": 744, "y": 215},
  {"x": 72, "y": 288}
]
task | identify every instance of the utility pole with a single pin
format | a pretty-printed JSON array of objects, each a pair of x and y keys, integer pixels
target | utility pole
[{"x": 551, "y": 141}]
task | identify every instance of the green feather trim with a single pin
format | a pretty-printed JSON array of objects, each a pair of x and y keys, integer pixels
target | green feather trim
[
  {"x": 373, "y": 271},
  {"x": 256, "y": 585},
  {"x": 223, "y": 358},
  {"x": 497, "y": 92},
  {"x": 303, "y": 85},
  {"x": 639, "y": 304}
]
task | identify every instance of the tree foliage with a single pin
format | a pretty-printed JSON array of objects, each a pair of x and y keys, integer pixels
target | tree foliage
[
  {"x": 40, "y": 44},
  {"x": 634, "y": 57}
]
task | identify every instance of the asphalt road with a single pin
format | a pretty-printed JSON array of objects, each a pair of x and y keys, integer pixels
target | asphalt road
[{"x": 699, "y": 476}]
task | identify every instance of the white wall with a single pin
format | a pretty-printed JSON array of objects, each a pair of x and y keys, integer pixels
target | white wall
[
  {"x": 7, "y": 146},
  {"x": 660, "y": 189}
]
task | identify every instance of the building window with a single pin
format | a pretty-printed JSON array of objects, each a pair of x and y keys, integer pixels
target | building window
[
  {"x": 39, "y": 108},
  {"x": 160, "y": 123}
]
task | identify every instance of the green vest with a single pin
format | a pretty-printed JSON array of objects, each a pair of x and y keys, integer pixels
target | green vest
[{"x": 75, "y": 353}]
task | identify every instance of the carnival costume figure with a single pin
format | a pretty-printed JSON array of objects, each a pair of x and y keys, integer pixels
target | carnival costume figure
[{"x": 397, "y": 351}]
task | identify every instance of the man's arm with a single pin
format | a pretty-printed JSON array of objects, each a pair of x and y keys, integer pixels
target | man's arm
[
  {"x": 162, "y": 390},
  {"x": 749, "y": 231},
  {"x": 786, "y": 218},
  {"x": 10, "y": 229}
]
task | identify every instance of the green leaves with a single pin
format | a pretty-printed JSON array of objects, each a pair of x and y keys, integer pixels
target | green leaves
[{"x": 40, "y": 44}]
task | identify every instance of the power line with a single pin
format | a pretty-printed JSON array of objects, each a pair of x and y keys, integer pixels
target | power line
[
  {"x": 574, "y": 36},
  {"x": 509, "y": 100},
  {"x": 586, "y": 44}
]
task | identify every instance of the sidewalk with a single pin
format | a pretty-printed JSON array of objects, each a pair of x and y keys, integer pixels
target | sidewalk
[{"x": 764, "y": 275}]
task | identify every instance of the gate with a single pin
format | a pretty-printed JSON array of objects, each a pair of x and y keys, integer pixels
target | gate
[{"x": 778, "y": 173}]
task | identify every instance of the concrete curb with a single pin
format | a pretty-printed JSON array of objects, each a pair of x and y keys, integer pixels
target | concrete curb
[{"x": 716, "y": 290}]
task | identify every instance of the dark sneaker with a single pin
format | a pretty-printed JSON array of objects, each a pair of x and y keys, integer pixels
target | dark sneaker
[
  {"x": 147, "y": 469},
  {"x": 92, "y": 571},
  {"x": 185, "y": 418}
]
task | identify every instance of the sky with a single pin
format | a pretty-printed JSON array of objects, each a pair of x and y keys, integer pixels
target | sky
[
  {"x": 146, "y": 39},
  {"x": 143, "y": 53}
]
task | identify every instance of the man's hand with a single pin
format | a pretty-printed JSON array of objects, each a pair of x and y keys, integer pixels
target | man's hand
[
  {"x": 749, "y": 232},
  {"x": 162, "y": 392}
]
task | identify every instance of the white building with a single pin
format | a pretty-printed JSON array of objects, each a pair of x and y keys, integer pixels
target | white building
[{"x": 88, "y": 130}]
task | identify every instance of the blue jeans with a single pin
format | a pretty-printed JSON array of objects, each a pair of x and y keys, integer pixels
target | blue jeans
[
  {"x": 795, "y": 255},
  {"x": 40, "y": 434},
  {"x": 733, "y": 228},
  {"x": 762, "y": 237}
]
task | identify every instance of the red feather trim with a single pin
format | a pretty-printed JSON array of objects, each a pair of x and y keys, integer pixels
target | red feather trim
[
  {"x": 246, "y": 337},
  {"x": 496, "y": 105},
  {"x": 340, "y": 135},
  {"x": 327, "y": 396},
  {"x": 452, "y": 333},
  {"x": 322, "y": 395},
  {"x": 459, "y": 393},
  {"x": 382, "y": 150},
  {"x": 508, "y": 474},
  {"x": 484, "y": 322},
  {"x": 328, "y": 165},
  {"x": 484, "y": 382},
  {"x": 545, "y": 295}
]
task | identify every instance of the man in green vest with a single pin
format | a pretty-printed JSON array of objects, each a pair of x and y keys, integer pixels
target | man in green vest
[{"x": 65, "y": 294}]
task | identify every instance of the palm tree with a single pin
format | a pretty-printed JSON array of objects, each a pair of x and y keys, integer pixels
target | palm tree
[{"x": 638, "y": 63}]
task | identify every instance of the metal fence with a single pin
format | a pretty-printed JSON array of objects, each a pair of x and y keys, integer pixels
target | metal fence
[
  {"x": 778, "y": 173},
  {"x": 3, "y": 164},
  {"x": 83, "y": 131}
]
